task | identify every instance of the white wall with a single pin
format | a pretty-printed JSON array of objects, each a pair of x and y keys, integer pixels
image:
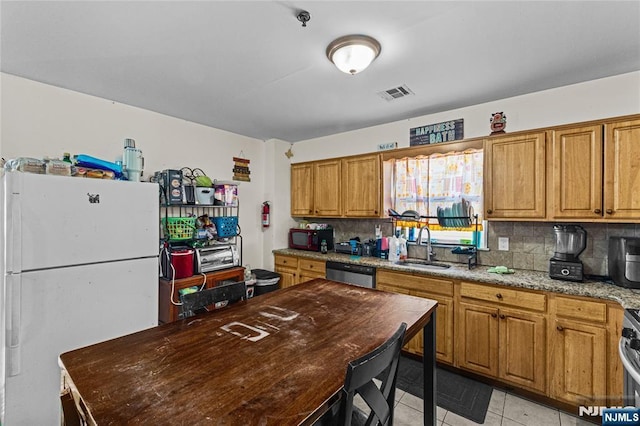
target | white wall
[
  {"x": 41, "y": 120},
  {"x": 277, "y": 192},
  {"x": 596, "y": 99}
]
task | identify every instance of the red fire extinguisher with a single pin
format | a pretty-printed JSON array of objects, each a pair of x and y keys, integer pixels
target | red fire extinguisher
[{"x": 265, "y": 214}]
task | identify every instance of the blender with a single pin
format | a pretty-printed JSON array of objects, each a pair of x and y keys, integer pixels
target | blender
[{"x": 571, "y": 240}]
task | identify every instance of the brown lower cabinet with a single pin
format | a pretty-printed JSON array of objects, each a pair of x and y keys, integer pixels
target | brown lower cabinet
[
  {"x": 559, "y": 346},
  {"x": 429, "y": 288},
  {"x": 507, "y": 344},
  {"x": 169, "y": 299},
  {"x": 294, "y": 270},
  {"x": 563, "y": 347},
  {"x": 584, "y": 362}
]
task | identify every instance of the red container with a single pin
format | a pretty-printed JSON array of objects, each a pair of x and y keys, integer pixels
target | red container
[{"x": 182, "y": 261}]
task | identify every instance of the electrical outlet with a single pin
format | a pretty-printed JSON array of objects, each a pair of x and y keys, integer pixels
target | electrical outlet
[{"x": 503, "y": 243}]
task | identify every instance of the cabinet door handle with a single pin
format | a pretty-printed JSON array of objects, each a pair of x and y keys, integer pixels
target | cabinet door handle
[
  {"x": 559, "y": 328},
  {"x": 597, "y": 211},
  {"x": 316, "y": 211},
  {"x": 502, "y": 316},
  {"x": 494, "y": 315},
  {"x": 499, "y": 296},
  {"x": 609, "y": 211},
  {"x": 310, "y": 266},
  {"x": 489, "y": 211},
  {"x": 375, "y": 211}
]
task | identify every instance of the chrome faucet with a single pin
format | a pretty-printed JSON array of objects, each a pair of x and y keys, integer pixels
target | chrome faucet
[{"x": 419, "y": 243}]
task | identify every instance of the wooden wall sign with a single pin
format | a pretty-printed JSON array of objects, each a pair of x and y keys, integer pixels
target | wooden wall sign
[
  {"x": 241, "y": 169},
  {"x": 435, "y": 133}
]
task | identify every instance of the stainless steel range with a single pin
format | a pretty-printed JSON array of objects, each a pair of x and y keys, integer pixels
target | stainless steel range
[{"x": 629, "y": 350}]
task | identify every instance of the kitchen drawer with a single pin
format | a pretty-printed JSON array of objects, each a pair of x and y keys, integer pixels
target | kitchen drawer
[
  {"x": 286, "y": 261},
  {"x": 581, "y": 309},
  {"x": 504, "y": 296},
  {"x": 415, "y": 282},
  {"x": 317, "y": 266}
]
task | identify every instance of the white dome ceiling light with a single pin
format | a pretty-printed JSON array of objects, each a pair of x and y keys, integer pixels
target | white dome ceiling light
[{"x": 353, "y": 53}]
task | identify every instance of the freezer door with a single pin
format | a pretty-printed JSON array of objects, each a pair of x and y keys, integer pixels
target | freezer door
[
  {"x": 67, "y": 308},
  {"x": 56, "y": 221}
]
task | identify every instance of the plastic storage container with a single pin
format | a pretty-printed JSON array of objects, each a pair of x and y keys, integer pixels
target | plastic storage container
[
  {"x": 266, "y": 281},
  {"x": 204, "y": 195},
  {"x": 179, "y": 228},
  {"x": 225, "y": 194},
  {"x": 227, "y": 226}
]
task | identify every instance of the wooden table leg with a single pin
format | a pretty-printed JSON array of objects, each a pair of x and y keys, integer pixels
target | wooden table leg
[{"x": 429, "y": 368}]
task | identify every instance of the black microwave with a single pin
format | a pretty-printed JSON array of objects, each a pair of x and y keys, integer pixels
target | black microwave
[{"x": 310, "y": 239}]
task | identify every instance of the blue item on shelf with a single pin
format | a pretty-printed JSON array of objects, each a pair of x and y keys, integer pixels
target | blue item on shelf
[
  {"x": 88, "y": 161},
  {"x": 226, "y": 226}
]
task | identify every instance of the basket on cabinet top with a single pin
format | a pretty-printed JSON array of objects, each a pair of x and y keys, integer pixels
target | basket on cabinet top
[
  {"x": 179, "y": 228},
  {"x": 226, "y": 226}
]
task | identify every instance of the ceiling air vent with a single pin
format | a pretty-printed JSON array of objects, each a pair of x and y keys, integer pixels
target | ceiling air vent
[{"x": 395, "y": 93}]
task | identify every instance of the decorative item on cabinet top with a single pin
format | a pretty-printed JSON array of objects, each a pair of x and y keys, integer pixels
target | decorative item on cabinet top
[
  {"x": 446, "y": 131},
  {"x": 497, "y": 123}
]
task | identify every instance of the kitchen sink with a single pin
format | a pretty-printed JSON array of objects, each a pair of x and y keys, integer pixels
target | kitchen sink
[{"x": 421, "y": 263}]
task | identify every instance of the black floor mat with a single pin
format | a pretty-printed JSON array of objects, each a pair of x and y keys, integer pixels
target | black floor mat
[{"x": 466, "y": 397}]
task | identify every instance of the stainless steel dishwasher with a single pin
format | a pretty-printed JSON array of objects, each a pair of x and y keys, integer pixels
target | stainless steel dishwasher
[{"x": 364, "y": 276}]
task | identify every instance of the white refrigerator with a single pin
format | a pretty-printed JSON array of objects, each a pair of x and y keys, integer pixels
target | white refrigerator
[{"x": 80, "y": 265}]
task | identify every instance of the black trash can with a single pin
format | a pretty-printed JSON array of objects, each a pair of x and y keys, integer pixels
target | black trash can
[{"x": 266, "y": 281}]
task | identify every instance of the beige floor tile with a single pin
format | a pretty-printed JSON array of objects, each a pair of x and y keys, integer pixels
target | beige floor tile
[
  {"x": 440, "y": 413},
  {"x": 509, "y": 422},
  {"x": 452, "y": 419},
  {"x": 413, "y": 402},
  {"x": 496, "y": 404},
  {"x": 403, "y": 415},
  {"x": 529, "y": 413},
  {"x": 399, "y": 395},
  {"x": 567, "y": 419}
]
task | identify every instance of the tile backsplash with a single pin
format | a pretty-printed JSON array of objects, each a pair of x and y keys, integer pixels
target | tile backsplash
[{"x": 531, "y": 244}]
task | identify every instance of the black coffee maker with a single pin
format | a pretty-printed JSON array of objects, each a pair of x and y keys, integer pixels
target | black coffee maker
[{"x": 571, "y": 240}]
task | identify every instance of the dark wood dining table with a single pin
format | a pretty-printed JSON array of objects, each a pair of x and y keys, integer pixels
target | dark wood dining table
[{"x": 277, "y": 359}]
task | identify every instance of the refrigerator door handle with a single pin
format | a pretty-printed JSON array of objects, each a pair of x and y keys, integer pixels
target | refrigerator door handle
[
  {"x": 13, "y": 320},
  {"x": 14, "y": 225},
  {"x": 13, "y": 279}
]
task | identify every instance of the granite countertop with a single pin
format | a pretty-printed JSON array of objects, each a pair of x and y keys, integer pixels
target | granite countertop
[{"x": 522, "y": 278}]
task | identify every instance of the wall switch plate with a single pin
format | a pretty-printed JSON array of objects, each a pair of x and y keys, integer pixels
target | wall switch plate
[{"x": 503, "y": 243}]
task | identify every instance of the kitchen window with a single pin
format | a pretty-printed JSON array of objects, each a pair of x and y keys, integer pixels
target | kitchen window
[{"x": 431, "y": 184}]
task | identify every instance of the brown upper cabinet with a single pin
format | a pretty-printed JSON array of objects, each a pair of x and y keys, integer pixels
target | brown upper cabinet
[
  {"x": 576, "y": 172},
  {"x": 585, "y": 171},
  {"x": 514, "y": 176},
  {"x": 595, "y": 172},
  {"x": 347, "y": 187},
  {"x": 622, "y": 170},
  {"x": 327, "y": 197},
  {"x": 361, "y": 186},
  {"x": 302, "y": 189}
]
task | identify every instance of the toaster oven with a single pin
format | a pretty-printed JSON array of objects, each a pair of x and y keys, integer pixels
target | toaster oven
[{"x": 216, "y": 257}]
